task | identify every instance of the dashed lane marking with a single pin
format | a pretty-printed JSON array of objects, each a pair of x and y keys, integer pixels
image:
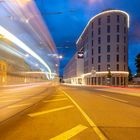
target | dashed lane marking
[
  {"x": 55, "y": 100},
  {"x": 50, "y": 111},
  {"x": 20, "y": 105},
  {"x": 116, "y": 99},
  {"x": 92, "y": 124},
  {"x": 70, "y": 133}
]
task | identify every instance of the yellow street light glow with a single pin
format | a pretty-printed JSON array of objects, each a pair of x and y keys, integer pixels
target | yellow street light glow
[
  {"x": 23, "y": 46},
  {"x": 105, "y": 12}
]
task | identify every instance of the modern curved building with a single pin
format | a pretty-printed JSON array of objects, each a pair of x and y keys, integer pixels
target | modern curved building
[{"x": 104, "y": 42}]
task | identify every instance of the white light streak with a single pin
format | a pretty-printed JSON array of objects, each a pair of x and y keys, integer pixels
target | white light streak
[{"x": 24, "y": 47}]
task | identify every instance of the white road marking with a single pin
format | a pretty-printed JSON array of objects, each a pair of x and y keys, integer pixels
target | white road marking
[
  {"x": 92, "y": 124},
  {"x": 55, "y": 100},
  {"x": 50, "y": 111},
  {"x": 15, "y": 106},
  {"x": 116, "y": 99},
  {"x": 70, "y": 133}
]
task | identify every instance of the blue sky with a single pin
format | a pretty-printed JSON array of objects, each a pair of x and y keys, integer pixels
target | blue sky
[{"x": 66, "y": 20}]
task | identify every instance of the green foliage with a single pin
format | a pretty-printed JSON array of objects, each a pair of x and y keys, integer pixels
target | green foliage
[{"x": 130, "y": 75}]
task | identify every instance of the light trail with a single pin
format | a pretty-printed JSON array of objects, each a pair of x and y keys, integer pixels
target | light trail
[{"x": 24, "y": 47}]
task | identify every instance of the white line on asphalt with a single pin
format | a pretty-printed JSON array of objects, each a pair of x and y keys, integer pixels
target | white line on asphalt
[
  {"x": 55, "y": 100},
  {"x": 50, "y": 111},
  {"x": 92, "y": 124},
  {"x": 116, "y": 99},
  {"x": 15, "y": 106},
  {"x": 70, "y": 133}
]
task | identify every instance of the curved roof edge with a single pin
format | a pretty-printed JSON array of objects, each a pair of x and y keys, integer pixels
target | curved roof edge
[{"x": 104, "y": 12}]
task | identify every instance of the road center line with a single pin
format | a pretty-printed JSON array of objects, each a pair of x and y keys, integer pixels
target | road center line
[
  {"x": 15, "y": 106},
  {"x": 70, "y": 133},
  {"x": 50, "y": 111},
  {"x": 116, "y": 99},
  {"x": 92, "y": 124},
  {"x": 55, "y": 100}
]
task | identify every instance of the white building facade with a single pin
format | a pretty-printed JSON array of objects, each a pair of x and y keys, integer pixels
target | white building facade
[{"x": 104, "y": 42}]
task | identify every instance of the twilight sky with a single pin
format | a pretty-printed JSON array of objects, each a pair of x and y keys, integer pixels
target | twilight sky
[{"x": 66, "y": 20}]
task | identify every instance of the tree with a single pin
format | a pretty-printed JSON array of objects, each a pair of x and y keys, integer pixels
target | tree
[
  {"x": 137, "y": 63},
  {"x": 130, "y": 75}
]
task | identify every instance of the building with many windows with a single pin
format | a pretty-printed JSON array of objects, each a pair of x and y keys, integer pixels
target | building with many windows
[{"x": 104, "y": 42}]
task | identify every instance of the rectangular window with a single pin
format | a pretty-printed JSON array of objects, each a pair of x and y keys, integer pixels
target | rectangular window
[
  {"x": 108, "y": 39},
  {"x": 117, "y": 67},
  {"x": 99, "y": 40},
  {"x": 108, "y": 28},
  {"x": 99, "y": 31},
  {"x": 108, "y": 58},
  {"x": 124, "y": 39},
  {"x": 125, "y": 20},
  {"x": 117, "y": 58},
  {"x": 118, "y": 38},
  {"x": 118, "y": 18},
  {"x": 124, "y": 58},
  {"x": 118, "y": 28},
  {"x": 99, "y": 59},
  {"x": 99, "y": 49},
  {"x": 108, "y": 48},
  {"x": 99, "y": 68},
  {"x": 99, "y": 21},
  {"x": 108, "y": 19}
]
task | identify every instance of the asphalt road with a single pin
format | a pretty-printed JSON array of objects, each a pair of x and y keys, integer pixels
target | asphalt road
[{"x": 61, "y": 113}]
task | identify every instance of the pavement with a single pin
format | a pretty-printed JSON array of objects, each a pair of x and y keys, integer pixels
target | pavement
[{"x": 44, "y": 112}]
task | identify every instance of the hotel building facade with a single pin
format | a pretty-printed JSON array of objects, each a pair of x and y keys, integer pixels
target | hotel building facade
[{"x": 104, "y": 44}]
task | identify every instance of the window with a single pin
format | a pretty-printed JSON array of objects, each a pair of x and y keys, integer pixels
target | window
[
  {"x": 99, "y": 49},
  {"x": 117, "y": 58},
  {"x": 117, "y": 67},
  {"x": 92, "y": 51},
  {"x": 99, "y": 68},
  {"x": 108, "y": 28},
  {"x": 99, "y": 59},
  {"x": 117, "y": 48},
  {"x": 99, "y": 21},
  {"x": 124, "y": 67},
  {"x": 108, "y": 48},
  {"x": 124, "y": 58},
  {"x": 108, "y": 58},
  {"x": 92, "y": 42},
  {"x": 118, "y": 18},
  {"x": 124, "y": 39},
  {"x": 92, "y": 60},
  {"x": 108, "y": 38},
  {"x": 118, "y": 38},
  {"x": 118, "y": 28},
  {"x": 99, "y": 40},
  {"x": 99, "y": 31},
  {"x": 108, "y": 19}
]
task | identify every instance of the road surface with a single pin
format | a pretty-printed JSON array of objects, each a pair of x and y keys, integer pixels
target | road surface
[{"x": 42, "y": 112}]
